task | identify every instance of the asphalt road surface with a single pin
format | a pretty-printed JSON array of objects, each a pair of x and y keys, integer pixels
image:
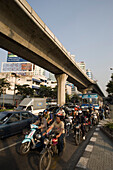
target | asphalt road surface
[{"x": 11, "y": 159}]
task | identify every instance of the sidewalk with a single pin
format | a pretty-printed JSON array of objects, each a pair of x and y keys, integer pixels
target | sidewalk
[{"x": 98, "y": 154}]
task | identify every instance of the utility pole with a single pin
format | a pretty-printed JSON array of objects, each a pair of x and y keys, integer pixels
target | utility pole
[{"x": 14, "y": 87}]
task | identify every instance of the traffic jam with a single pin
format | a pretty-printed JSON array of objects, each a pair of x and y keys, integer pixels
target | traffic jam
[{"x": 48, "y": 131}]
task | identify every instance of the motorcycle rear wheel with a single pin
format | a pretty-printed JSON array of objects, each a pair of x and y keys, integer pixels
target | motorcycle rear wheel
[{"x": 45, "y": 161}]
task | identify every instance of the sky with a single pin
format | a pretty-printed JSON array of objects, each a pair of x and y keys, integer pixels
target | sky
[{"x": 85, "y": 28}]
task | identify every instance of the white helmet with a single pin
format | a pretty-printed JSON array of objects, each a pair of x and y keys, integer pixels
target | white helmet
[{"x": 80, "y": 111}]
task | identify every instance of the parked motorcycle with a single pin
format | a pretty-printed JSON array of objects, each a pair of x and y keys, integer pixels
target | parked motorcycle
[
  {"x": 32, "y": 140},
  {"x": 51, "y": 148}
]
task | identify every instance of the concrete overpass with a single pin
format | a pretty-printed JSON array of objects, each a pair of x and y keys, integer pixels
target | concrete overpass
[{"x": 23, "y": 33}]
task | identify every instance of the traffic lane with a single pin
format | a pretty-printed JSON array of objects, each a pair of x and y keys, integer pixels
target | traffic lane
[
  {"x": 61, "y": 162},
  {"x": 72, "y": 153},
  {"x": 10, "y": 157},
  {"x": 5, "y": 142}
]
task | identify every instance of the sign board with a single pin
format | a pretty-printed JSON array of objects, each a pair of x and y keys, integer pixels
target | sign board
[
  {"x": 89, "y": 96},
  {"x": 14, "y": 58},
  {"x": 17, "y": 67}
]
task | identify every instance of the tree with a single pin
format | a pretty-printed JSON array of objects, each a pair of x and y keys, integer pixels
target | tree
[
  {"x": 67, "y": 98},
  {"x": 47, "y": 92},
  {"x": 4, "y": 84},
  {"x": 110, "y": 87},
  {"x": 75, "y": 98},
  {"x": 24, "y": 90},
  {"x": 44, "y": 91}
]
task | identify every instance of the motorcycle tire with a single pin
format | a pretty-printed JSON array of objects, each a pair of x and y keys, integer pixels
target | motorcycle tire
[
  {"x": 64, "y": 144},
  {"x": 24, "y": 149},
  {"x": 45, "y": 163},
  {"x": 77, "y": 142}
]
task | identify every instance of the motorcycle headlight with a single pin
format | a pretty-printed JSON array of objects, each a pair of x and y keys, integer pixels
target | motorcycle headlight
[
  {"x": 38, "y": 136},
  {"x": 46, "y": 141}
]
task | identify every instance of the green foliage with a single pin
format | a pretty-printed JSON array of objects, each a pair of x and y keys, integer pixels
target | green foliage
[
  {"x": 4, "y": 84},
  {"x": 47, "y": 92},
  {"x": 110, "y": 87},
  {"x": 75, "y": 98},
  {"x": 24, "y": 90},
  {"x": 67, "y": 98},
  {"x": 110, "y": 126}
]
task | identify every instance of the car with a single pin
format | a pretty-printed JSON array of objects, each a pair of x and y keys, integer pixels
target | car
[{"x": 14, "y": 122}]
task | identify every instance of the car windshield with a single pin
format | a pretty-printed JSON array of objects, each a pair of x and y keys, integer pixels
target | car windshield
[
  {"x": 21, "y": 107},
  {"x": 4, "y": 117},
  {"x": 71, "y": 106}
]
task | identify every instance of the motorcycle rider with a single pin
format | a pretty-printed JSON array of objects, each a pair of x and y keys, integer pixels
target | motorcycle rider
[
  {"x": 82, "y": 122},
  {"x": 41, "y": 122},
  {"x": 58, "y": 127}
]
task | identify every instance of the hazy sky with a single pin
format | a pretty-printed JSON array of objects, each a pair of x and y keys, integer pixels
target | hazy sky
[{"x": 85, "y": 28}]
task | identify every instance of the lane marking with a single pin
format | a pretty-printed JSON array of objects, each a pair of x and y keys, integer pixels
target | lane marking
[
  {"x": 89, "y": 148},
  {"x": 95, "y": 133},
  {"x": 93, "y": 139},
  {"x": 98, "y": 125},
  {"x": 9, "y": 146},
  {"x": 82, "y": 163},
  {"x": 97, "y": 129}
]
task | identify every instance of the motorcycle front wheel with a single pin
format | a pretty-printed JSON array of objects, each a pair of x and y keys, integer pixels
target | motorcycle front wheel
[
  {"x": 24, "y": 148},
  {"x": 45, "y": 161}
]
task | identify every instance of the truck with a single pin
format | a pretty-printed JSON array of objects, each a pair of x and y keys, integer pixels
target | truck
[{"x": 34, "y": 105}]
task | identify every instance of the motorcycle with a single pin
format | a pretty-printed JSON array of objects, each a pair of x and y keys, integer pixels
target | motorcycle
[
  {"x": 78, "y": 134},
  {"x": 51, "y": 148},
  {"x": 32, "y": 140},
  {"x": 68, "y": 123},
  {"x": 95, "y": 119},
  {"x": 87, "y": 124}
]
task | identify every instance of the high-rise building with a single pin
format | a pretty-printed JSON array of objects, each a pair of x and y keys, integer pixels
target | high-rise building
[
  {"x": 82, "y": 65},
  {"x": 89, "y": 73}
]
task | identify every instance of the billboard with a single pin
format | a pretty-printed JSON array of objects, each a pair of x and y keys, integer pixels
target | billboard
[
  {"x": 14, "y": 58},
  {"x": 17, "y": 67},
  {"x": 89, "y": 96}
]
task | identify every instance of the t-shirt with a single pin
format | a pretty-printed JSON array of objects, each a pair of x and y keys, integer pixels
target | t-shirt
[
  {"x": 58, "y": 126},
  {"x": 43, "y": 124}
]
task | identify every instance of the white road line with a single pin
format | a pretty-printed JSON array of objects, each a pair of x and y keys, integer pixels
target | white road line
[
  {"x": 9, "y": 146},
  {"x": 95, "y": 133},
  {"x": 89, "y": 148},
  {"x": 99, "y": 125},
  {"x": 82, "y": 162},
  {"x": 97, "y": 129},
  {"x": 93, "y": 139}
]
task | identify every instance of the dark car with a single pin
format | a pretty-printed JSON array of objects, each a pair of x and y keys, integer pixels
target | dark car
[{"x": 14, "y": 122}]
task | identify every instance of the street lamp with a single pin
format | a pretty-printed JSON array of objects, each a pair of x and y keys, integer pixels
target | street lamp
[{"x": 15, "y": 75}]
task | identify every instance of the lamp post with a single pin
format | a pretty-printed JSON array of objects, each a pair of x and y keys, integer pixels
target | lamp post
[{"x": 14, "y": 74}]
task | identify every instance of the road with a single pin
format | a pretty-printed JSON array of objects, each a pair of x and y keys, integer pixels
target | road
[{"x": 11, "y": 159}]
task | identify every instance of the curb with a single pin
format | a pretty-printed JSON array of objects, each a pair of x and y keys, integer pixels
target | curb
[{"x": 106, "y": 133}]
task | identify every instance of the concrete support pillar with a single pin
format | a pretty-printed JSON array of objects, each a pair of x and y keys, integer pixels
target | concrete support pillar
[{"x": 61, "y": 81}]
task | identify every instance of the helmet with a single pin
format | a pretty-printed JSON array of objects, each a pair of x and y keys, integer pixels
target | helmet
[
  {"x": 40, "y": 114},
  {"x": 80, "y": 112}
]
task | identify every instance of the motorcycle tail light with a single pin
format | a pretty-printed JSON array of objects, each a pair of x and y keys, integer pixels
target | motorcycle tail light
[{"x": 54, "y": 141}]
